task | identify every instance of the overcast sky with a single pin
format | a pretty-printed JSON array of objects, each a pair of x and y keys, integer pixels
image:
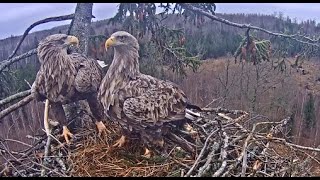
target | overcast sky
[{"x": 16, "y": 17}]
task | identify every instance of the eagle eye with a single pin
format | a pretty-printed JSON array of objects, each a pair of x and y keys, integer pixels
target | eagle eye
[{"x": 122, "y": 38}]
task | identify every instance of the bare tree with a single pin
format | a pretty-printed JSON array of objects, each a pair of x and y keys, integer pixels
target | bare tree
[{"x": 80, "y": 27}]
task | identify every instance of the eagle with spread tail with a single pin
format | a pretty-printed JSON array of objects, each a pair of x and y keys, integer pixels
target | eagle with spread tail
[
  {"x": 138, "y": 102},
  {"x": 66, "y": 77}
]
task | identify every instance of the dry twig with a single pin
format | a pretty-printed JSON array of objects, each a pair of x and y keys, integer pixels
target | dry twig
[
  {"x": 13, "y": 107},
  {"x": 14, "y": 97}
]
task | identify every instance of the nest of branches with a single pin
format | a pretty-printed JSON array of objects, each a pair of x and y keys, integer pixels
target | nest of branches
[{"x": 224, "y": 147}]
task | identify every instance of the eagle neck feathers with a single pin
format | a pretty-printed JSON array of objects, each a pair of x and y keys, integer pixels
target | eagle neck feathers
[{"x": 124, "y": 67}]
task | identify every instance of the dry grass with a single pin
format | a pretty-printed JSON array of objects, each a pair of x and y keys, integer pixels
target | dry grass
[{"x": 96, "y": 157}]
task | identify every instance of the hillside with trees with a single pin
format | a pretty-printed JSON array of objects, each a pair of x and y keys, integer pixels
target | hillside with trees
[
  {"x": 209, "y": 40},
  {"x": 277, "y": 80}
]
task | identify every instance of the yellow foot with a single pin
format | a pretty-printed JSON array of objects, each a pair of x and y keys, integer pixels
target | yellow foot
[
  {"x": 190, "y": 130},
  {"x": 53, "y": 123},
  {"x": 66, "y": 133},
  {"x": 102, "y": 128},
  {"x": 147, "y": 153},
  {"x": 120, "y": 142}
]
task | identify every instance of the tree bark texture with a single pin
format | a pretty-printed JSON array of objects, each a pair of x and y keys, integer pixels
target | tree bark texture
[{"x": 80, "y": 27}]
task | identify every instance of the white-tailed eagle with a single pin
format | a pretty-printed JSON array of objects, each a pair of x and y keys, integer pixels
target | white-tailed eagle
[
  {"x": 138, "y": 102},
  {"x": 64, "y": 78}
]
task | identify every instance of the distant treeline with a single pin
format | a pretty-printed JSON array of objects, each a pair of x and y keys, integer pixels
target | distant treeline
[
  {"x": 214, "y": 39},
  {"x": 210, "y": 39}
]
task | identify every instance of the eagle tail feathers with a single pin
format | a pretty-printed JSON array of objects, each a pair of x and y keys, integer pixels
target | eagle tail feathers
[{"x": 192, "y": 115}]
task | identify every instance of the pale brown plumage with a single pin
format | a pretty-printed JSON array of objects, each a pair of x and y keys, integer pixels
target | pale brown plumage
[
  {"x": 140, "y": 103},
  {"x": 64, "y": 78}
]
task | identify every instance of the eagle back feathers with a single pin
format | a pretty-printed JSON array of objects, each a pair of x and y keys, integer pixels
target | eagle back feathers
[
  {"x": 89, "y": 73},
  {"x": 153, "y": 101}
]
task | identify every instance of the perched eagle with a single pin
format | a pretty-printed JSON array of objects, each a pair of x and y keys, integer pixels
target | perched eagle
[
  {"x": 138, "y": 102},
  {"x": 67, "y": 77}
]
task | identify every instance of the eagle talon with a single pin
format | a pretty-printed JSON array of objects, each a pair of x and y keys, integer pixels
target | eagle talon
[
  {"x": 147, "y": 153},
  {"x": 190, "y": 130},
  {"x": 120, "y": 142},
  {"x": 102, "y": 128},
  {"x": 66, "y": 133}
]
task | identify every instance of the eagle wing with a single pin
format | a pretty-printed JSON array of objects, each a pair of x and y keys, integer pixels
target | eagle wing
[
  {"x": 89, "y": 73},
  {"x": 54, "y": 83},
  {"x": 35, "y": 89},
  {"x": 149, "y": 101}
]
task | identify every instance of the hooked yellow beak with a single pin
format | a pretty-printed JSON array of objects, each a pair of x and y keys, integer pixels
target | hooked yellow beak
[
  {"x": 111, "y": 41},
  {"x": 73, "y": 40}
]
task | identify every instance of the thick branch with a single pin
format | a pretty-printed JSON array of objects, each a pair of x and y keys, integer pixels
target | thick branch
[
  {"x": 57, "y": 18},
  {"x": 13, "y": 107},
  {"x": 223, "y": 155},
  {"x": 8, "y": 62},
  {"x": 46, "y": 154},
  {"x": 246, "y": 26},
  {"x": 14, "y": 97},
  {"x": 201, "y": 154},
  {"x": 206, "y": 167}
]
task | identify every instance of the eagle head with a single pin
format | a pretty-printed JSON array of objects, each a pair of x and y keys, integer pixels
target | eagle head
[
  {"x": 55, "y": 43},
  {"x": 122, "y": 39},
  {"x": 60, "y": 40}
]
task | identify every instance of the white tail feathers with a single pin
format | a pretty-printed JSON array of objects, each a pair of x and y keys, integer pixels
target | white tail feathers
[
  {"x": 102, "y": 64},
  {"x": 191, "y": 115}
]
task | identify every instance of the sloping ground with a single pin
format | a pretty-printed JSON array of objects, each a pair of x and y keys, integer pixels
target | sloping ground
[
  {"x": 224, "y": 146},
  {"x": 276, "y": 95}
]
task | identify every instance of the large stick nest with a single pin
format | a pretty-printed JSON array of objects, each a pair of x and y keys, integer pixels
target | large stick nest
[{"x": 224, "y": 147}]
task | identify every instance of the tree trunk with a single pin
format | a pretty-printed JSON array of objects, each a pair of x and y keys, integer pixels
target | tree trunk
[{"x": 80, "y": 27}]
